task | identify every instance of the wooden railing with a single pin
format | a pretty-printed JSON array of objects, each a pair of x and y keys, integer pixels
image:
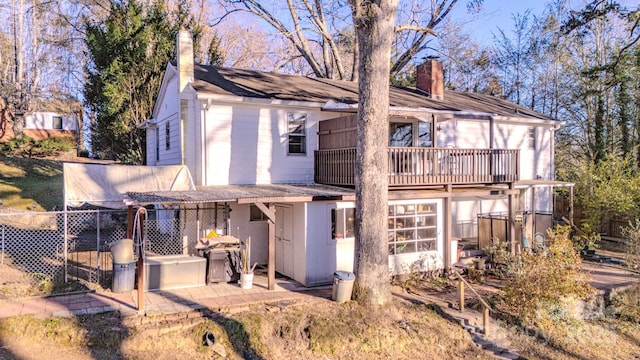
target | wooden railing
[{"x": 409, "y": 166}]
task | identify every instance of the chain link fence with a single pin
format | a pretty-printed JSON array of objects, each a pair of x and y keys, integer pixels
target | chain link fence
[{"x": 58, "y": 252}]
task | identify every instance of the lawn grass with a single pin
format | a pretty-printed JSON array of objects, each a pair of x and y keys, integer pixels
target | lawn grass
[{"x": 31, "y": 184}]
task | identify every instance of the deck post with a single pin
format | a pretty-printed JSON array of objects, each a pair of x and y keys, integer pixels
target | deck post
[
  {"x": 461, "y": 295},
  {"x": 269, "y": 210},
  {"x": 271, "y": 266},
  {"x": 447, "y": 229},
  {"x": 512, "y": 222},
  {"x": 485, "y": 320}
]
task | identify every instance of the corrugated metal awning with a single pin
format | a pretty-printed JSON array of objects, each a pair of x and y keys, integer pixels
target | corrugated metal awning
[{"x": 243, "y": 194}]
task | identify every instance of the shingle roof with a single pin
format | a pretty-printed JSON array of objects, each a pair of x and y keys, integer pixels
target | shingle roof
[{"x": 265, "y": 85}]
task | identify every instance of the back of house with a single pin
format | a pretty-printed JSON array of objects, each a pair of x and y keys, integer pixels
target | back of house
[{"x": 277, "y": 154}]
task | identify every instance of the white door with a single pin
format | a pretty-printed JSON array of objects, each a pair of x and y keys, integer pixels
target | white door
[{"x": 284, "y": 240}]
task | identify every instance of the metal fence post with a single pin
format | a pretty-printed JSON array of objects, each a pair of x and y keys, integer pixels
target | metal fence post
[
  {"x": 2, "y": 254},
  {"x": 98, "y": 263},
  {"x": 66, "y": 243}
]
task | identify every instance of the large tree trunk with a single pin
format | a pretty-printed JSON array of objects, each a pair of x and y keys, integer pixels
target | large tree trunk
[{"x": 374, "y": 21}]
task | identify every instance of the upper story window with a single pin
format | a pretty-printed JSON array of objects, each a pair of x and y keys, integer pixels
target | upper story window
[
  {"x": 424, "y": 138},
  {"x": 343, "y": 223},
  {"x": 532, "y": 138},
  {"x": 157, "y": 144},
  {"x": 297, "y": 133},
  {"x": 167, "y": 136},
  {"x": 57, "y": 122},
  {"x": 410, "y": 134}
]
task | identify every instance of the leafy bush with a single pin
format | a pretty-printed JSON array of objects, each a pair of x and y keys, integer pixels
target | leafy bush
[
  {"x": 544, "y": 284},
  {"x": 608, "y": 189},
  {"x": 632, "y": 235}
]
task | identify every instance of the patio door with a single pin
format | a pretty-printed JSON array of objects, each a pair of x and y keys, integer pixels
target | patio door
[{"x": 284, "y": 240}]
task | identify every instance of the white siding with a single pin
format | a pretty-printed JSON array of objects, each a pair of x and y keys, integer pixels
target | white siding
[
  {"x": 169, "y": 156},
  {"x": 534, "y": 164},
  {"x": 257, "y": 230},
  {"x": 247, "y": 144},
  {"x": 44, "y": 120},
  {"x": 168, "y": 112},
  {"x": 324, "y": 255},
  {"x": 462, "y": 134}
]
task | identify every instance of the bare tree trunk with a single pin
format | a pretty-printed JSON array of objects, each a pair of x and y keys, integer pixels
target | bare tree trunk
[
  {"x": 374, "y": 21},
  {"x": 35, "y": 43}
]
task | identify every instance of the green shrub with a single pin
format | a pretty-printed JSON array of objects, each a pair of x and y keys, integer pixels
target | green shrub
[{"x": 632, "y": 236}]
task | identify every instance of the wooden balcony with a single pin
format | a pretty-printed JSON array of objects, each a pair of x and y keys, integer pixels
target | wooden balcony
[{"x": 415, "y": 166}]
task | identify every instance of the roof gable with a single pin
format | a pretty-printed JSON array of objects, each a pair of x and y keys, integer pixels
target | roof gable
[{"x": 169, "y": 73}]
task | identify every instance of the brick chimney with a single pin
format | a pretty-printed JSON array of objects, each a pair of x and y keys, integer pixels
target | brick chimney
[
  {"x": 185, "y": 58},
  {"x": 430, "y": 78}
]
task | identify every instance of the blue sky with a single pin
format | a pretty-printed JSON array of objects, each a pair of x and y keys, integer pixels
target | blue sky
[{"x": 495, "y": 13}]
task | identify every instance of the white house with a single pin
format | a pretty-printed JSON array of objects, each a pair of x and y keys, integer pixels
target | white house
[
  {"x": 47, "y": 118},
  {"x": 279, "y": 150}
]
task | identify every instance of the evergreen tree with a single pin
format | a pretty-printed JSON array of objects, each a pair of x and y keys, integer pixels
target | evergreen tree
[{"x": 127, "y": 54}]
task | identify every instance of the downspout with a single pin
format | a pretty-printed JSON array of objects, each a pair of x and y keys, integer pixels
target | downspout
[
  {"x": 552, "y": 153},
  {"x": 491, "y": 131},
  {"x": 491, "y": 140}
]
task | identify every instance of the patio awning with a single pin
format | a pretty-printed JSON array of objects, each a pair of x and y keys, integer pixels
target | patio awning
[{"x": 243, "y": 194}]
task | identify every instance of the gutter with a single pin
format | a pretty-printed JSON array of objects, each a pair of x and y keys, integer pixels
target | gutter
[
  {"x": 251, "y": 100},
  {"x": 147, "y": 124}
]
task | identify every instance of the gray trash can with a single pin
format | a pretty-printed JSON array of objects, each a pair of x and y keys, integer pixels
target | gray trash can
[
  {"x": 342, "y": 286},
  {"x": 124, "y": 276}
]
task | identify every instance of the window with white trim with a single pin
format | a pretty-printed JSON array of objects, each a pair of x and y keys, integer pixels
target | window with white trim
[
  {"x": 57, "y": 122},
  {"x": 167, "y": 136},
  {"x": 343, "y": 223},
  {"x": 412, "y": 228},
  {"x": 157, "y": 144},
  {"x": 297, "y": 133},
  {"x": 532, "y": 138},
  {"x": 408, "y": 134}
]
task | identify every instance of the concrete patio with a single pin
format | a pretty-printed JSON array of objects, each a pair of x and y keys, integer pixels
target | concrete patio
[{"x": 216, "y": 297}]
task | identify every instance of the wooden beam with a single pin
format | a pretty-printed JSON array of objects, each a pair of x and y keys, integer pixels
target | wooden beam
[
  {"x": 296, "y": 198},
  {"x": 271, "y": 265},
  {"x": 270, "y": 213},
  {"x": 129, "y": 222}
]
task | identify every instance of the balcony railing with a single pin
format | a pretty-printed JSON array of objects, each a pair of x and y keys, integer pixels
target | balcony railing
[{"x": 415, "y": 166}]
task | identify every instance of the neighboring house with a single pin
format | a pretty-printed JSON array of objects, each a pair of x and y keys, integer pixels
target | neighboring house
[
  {"x": 47, "y": 118},
  {"x": 451, "y": 156}
]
